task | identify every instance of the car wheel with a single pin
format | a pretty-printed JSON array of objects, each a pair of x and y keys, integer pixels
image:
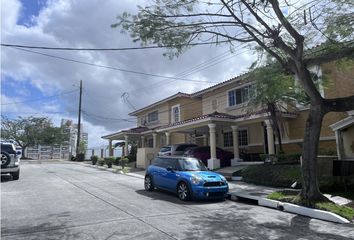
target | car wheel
[
  {"x": 15, "y": 175},
  {"x": 148, "y": 184},
  {"x": 183, "y": 191},
  {"x": 5, "y": 159}
]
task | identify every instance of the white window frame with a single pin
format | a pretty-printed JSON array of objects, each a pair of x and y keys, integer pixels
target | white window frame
[
  {"x": 155, "y": 120},
  {"x": 234, "y": 89},
  {"x": 248, "y": 136},
  {"x": 173, "y": 119}
]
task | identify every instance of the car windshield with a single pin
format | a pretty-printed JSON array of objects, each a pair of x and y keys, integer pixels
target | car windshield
[{"x": 191, "y": 164}]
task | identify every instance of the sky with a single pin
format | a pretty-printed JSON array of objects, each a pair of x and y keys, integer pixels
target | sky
[{"x": 46, "y": 82}]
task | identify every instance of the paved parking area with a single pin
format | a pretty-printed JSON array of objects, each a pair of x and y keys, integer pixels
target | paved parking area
[{"x": 71, "y": 201}]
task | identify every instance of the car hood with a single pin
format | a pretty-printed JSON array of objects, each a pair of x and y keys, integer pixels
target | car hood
[{"x": 207, "y": 176}]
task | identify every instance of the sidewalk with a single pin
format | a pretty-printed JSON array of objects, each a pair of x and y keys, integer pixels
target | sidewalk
[{"x": 249, "y": 190}]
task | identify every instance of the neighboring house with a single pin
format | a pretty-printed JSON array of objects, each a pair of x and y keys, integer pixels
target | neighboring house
[
  {"x": 219, "y": 116},
  {"x": 59, "y": 151}
]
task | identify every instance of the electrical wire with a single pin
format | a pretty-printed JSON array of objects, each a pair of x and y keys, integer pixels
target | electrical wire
[
  {"x": 111, "y": 49},
  {"x": 40, "y": 99},
  {"x": 110, "y": 67}
]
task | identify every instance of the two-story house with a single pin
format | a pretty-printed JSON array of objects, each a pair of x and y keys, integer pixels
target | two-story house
[{"x": 219, "y": 116}]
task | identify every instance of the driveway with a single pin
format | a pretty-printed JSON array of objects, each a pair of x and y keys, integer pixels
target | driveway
[{"x": 71, "y": 201}]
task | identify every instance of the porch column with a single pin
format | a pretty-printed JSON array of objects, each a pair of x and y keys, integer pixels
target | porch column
[
  {"x": 154, "y": 140},
  {"x": 167, "y": 138},
  {"x": 142, "y": 141},
  {"x": 270, "y": 137},
  {"x": 235, "y": 146},
  {"x": 110, "y": 149},
  {"x": 213, "y": 162},
  {"x": 339, "y": 141},
  {"x": 126, "y": 145},
  {"x": 205, "y": 140}
]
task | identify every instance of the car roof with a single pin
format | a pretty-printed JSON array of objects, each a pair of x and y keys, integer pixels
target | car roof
[{"x": 175, "y": 157}]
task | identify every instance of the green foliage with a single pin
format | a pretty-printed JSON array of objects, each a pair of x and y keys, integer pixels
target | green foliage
[
  {"x": 109, "y": 161},
  {"x": 343, "y": 211},
  {"x": 82, "y": 146},
  {"x": 272, "y": 86},
  {"x": 272, "y": 175},
  {"x": 124, "y": 161},
  {"x": 100, "y": 162},
  {"x": 31, "y": 131},
  {"x": 132, "y": 158},
  {"x": 116, "y": 161},
  {"x": 292, "y": 196},
  {"x": 283, "y": 158},
  {"x": 94, "y": 159}
]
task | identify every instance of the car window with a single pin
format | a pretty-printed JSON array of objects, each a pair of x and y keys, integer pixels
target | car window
[
  {"x": 172, "y": 163},
  {"x": 157, "y": 162},
  {"x": 165, "y": 149},
  {"x": 191, "y": 164},
  {"x": 9, "y": 148}
]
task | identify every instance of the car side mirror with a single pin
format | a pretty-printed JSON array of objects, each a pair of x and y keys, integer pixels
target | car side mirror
[
  {"x": 18, "y": 153},
  {"x": 170, "y": 169}
]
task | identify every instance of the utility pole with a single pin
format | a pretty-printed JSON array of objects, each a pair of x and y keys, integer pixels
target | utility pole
[{"x": 79, "y": 122}]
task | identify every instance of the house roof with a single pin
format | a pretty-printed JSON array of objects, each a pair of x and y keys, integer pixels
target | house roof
[
  {"x": 135, "y": 130},
  {"x": 177, "y": 95},
  {"x": 344, "y": 123}
]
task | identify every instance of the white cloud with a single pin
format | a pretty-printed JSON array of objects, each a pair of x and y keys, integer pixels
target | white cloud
[{"x": 87, "y": 24}]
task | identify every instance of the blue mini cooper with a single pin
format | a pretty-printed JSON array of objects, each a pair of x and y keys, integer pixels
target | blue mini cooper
[{"x": 188, "y": 177}]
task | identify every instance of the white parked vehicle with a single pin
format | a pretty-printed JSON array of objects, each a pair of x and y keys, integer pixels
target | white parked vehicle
[
  {"x": 175, "y": 149},
  {"x": 10, "y": 160}
]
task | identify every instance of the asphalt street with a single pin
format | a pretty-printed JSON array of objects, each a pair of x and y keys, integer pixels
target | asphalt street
[{"x": 71, "y": 201}]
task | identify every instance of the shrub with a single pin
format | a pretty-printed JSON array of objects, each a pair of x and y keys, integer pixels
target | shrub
[
  {"x": 94, "y": 159},
  {"x": 132, "y": 157},
  {"x": 109, "y": 161},
  {"x": 100, "y": 162},
  {"x": 289, "y": 158},
  {"x": 281, "y": 158},
  {"x": 116, "y": 161},
  {"x": 123, "y": 162}
]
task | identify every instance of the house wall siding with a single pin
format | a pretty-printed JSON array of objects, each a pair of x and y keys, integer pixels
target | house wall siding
[
  {"x": 189, "y": 108},
  {"x": 221, "y": 97}
]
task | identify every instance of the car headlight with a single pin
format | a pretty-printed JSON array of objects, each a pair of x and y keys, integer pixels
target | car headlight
[
  {"x": 223, "y": 178},
  {"x": 195, "y": 179}
]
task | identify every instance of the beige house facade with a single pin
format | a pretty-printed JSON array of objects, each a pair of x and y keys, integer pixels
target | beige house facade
[{"x": 220, "y": 116}]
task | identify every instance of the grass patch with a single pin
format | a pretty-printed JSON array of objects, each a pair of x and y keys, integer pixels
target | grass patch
[
  {"x": 291, "y": 196},
  {"x": 343, "y": 211}
]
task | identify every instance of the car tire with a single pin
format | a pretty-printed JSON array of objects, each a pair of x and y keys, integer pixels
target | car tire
[
  {"x": 148, "y": 183},
  {"x": 15, "y": 175},
  {"x": 183, "y": 192},
  {"x": 5, "y": 159}
]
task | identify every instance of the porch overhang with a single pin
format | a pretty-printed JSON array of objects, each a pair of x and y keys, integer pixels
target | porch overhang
[
  {"x": 344, "y": 123},
  {"x": 132, "y": 132},
  {"x": 197, "y": 122}
]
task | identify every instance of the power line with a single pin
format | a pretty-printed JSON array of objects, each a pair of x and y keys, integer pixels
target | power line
[
  {"x": 39, "y": 99},
  {"x": 110, "y": 67},
  {"x": 112, "y": 49},
  {"x": 107, "y": 118}
]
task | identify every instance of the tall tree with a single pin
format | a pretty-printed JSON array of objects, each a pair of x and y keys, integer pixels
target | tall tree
[
  {"x": 280, "y": 28},
  {"x": 271, "y": 90},
  {"x": 30, "y": 131}
]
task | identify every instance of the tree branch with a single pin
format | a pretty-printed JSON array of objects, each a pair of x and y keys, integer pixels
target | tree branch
[
  {"x": 256, "y": 39},
  {"x": 339, "y": 104}
]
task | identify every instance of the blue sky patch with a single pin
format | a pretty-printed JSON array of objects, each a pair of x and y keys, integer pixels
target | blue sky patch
[{"x": 30, "y": 9}]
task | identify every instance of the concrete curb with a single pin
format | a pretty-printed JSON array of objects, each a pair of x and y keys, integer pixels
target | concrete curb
[
  {"x": 309, "y": 212},
  {"x": 114, "y": 171}
]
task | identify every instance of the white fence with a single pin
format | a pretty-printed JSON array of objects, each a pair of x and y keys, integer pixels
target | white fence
[{"x": 102, "y": 152}]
